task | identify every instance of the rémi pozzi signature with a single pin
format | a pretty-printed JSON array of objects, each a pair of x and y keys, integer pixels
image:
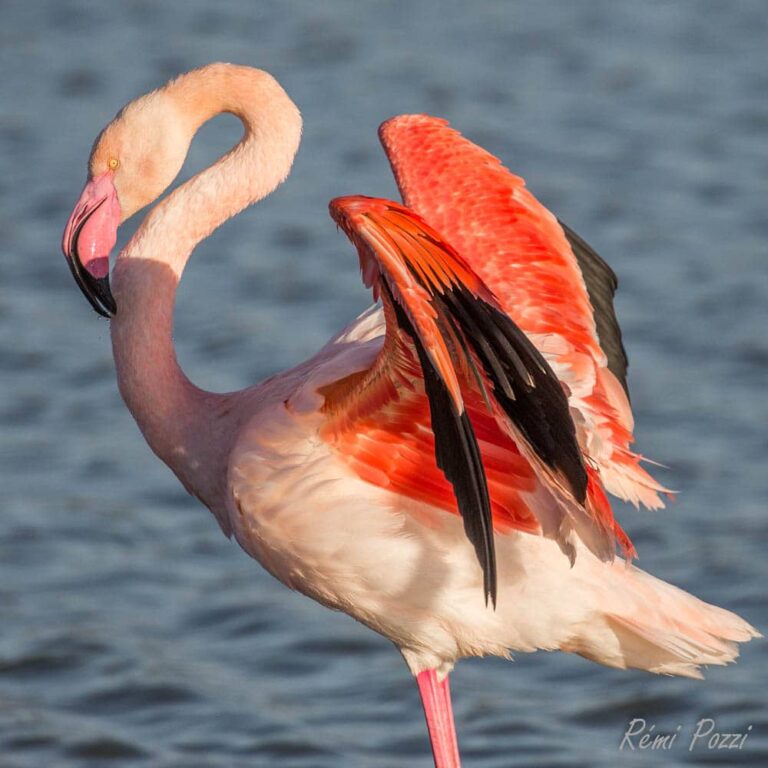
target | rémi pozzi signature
[{"x": 641, "y": 735}]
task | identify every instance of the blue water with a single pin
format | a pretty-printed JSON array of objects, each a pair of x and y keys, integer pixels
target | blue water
[{"x": 131, "y": 632}]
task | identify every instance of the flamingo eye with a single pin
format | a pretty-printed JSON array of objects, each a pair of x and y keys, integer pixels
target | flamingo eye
[{"x": 113, "y": 163}]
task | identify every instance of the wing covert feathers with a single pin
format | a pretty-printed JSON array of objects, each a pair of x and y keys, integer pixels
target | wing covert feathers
[{"x": 446, "y": 330}]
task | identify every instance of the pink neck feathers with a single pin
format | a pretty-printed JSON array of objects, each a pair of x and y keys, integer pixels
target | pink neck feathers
[{"x": 186, "y": 427}]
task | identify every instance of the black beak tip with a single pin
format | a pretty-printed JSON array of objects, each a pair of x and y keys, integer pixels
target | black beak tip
[
  {"x": 95, "y": 289},
  {"x": 102, "y": 291}
]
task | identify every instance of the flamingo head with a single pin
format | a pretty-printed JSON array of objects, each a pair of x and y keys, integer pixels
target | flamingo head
[{"x": 132, "y": 162}]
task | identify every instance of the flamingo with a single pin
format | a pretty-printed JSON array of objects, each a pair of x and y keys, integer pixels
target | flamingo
[{"x": 439, "y": 469}]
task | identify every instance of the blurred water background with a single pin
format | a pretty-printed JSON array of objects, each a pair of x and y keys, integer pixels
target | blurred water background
[{"x": 131, "y": 632}]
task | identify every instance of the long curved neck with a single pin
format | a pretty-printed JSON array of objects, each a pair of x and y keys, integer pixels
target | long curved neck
[{"x": 187, "y": 427}]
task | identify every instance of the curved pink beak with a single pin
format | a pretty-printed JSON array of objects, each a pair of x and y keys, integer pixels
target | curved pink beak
[{"x": 89, "y": 237}]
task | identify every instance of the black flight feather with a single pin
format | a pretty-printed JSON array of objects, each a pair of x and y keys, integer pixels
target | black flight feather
[
  {"x": 524, "y": 384},
  {"x": 458, "y": 456},
  {"x": 601, "y": 282}
]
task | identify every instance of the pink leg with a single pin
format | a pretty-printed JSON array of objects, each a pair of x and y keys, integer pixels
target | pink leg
[{"x": 436, "y": 698}]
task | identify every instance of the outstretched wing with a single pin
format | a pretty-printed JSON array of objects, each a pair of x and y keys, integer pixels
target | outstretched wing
[
  {"x": 549, "y": 281},
  {"x": 458, "y": 388}
]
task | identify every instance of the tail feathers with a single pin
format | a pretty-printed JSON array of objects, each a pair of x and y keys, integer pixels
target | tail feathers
[
  {"x": 679, "y": 649},
  {"x": 663, "y": 629}
]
